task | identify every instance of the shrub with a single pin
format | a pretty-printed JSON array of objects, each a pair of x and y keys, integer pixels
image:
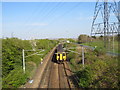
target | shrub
[
  {"x": 85, "y": 77},
  {"x": 15, "y": 78},
  {"x": 12, "y": 59}
]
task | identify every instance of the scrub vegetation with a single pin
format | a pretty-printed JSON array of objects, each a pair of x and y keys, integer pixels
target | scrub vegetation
[
  {"x": 100, "y": 70},
  {"x": 12, "y": 73}
]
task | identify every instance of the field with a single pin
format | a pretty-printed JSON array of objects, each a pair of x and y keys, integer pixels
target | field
[{"x": 99, "y": 44}]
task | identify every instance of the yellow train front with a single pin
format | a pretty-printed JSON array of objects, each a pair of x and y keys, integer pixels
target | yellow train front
[{"x": 60, "y": 55}]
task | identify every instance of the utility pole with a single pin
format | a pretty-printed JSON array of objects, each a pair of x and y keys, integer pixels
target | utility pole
[
  {"x": 23, "y": 55},
  {"x": 82, "y": 51},
  {"x": 83, "y": 56},
  {"x": 23, "y": 52}
]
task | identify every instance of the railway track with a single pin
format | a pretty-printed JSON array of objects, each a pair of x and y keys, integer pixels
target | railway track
[
  {"x": 57, "y": 75},
  {"x": 74, "y": 79},
  {"x": 63, "y": 79},
  {"x": 52, "y": 75}
]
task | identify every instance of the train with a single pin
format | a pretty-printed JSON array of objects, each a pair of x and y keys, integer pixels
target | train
[{"x": 60, "y": 54}]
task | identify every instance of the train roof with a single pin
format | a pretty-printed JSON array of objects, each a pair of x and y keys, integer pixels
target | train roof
[{"x": 60, "y": 48}]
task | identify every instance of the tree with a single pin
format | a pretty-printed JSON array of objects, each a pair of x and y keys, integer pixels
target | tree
[{"x": 83, "y": 38}]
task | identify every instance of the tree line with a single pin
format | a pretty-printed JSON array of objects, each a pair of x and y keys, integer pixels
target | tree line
[{"x": 83, "y": 38}]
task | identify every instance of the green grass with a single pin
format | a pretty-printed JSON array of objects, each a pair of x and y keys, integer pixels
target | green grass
[
  {"x": 100, "y": 46},
  {"x": 30, "y": 68}
]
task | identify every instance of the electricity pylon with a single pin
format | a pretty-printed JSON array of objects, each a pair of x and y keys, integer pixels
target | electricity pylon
[
  {"x": 33, "y": 43},
  {"x": 107, "y": 27}
]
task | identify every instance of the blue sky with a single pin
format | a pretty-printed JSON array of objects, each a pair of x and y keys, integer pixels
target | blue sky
[{"x": 47, "y": 19}]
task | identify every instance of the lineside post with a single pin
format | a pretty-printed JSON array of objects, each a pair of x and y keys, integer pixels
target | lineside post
[
  {"x": 83, "y": 56},
  {"x": 23, "y": 60}
]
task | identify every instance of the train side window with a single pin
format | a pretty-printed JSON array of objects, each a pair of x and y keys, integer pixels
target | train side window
[
  {"x": 63, "y": 54},
  {"x": 59, "y": 55}
]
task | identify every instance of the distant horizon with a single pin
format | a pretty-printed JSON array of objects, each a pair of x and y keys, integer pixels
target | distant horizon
[{"x": 37, "y": 38}]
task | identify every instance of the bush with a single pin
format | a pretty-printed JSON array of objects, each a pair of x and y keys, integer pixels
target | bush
[
  {"x": 12, "y": 59},
  {"x": 15, "y": 78},
  {"x": 70, "y": 55},
  {"x": 100, "y": 51},
  {"x": 100, "y": 71},
  {"x": 85, "y": 77}
]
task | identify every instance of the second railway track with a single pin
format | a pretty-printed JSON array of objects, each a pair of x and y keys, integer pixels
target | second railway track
[
  {"x": 56, "y": 76},
  {"x": 63, "y": 79}
]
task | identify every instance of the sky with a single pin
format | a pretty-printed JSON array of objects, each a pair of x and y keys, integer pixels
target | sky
[{"x": 41, "y": 20}]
